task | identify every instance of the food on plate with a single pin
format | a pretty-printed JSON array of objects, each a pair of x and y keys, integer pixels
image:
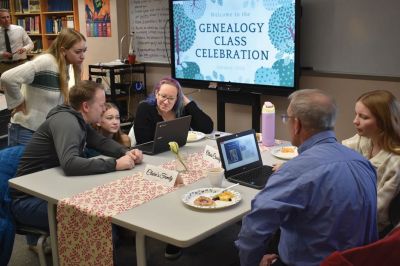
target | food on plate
[
  {"x": 191, "y": 136},
  {"x": 224, "y": 196},
  {"x": 259, "y": 137},
  {"x": 290, "y": 149},
  {"x": 204, "y": 201}
]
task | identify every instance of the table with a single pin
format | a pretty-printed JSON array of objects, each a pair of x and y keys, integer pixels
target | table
[{"x": 180, "y": 225}]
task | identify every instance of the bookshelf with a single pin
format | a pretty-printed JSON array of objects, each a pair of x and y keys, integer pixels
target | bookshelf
[{"x": 43, "y": 19}]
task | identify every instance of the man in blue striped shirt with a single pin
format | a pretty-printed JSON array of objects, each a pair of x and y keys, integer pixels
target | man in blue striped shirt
[{"x": 323, "y": 200}]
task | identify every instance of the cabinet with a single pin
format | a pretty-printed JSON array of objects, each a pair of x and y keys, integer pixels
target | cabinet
[
  {"x": 126, "y": 82},
  {"x": 43, "y": 19}
]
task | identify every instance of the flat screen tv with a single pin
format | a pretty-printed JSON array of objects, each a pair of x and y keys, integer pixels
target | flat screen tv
[{"x": 238, "y": 45}]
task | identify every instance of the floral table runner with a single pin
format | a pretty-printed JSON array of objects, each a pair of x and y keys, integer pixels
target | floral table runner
[{"x": 84, "y": 220}]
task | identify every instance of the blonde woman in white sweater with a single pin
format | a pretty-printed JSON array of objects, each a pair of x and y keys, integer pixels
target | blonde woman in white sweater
[
  {"x": 32, "y": 89},
  {"x": 377, "y": 121}
]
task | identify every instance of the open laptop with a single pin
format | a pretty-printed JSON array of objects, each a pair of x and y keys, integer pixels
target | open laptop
[
  {"x": 241, "y": 159},
  {"x": 166, "y": 131}
]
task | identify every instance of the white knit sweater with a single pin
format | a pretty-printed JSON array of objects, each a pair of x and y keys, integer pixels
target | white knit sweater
[
  {"x": 36, "y": 81},
  {"x": 387, "y": 167}
]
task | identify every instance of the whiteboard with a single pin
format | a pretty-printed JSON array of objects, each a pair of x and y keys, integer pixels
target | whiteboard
[
  {"x": 351, "y": 36},
  {"x": 149, "y": 20}
]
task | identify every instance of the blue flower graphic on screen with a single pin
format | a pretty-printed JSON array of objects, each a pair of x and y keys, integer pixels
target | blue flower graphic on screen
[
  {"x": 285, "y": 70},
  {"x": 216, "y": 76},
  {"x": 267, "y": 76},
  {"x": 185, "y": 32},
  {"x": 189, "y": 70},
  {"x": 252, "y": 3},
  {"x": 194, "y": 9},
  {"x": 274, "y": 4},
  {"x": 219, "y": 2},
  {"x": 283, "y": 18}
]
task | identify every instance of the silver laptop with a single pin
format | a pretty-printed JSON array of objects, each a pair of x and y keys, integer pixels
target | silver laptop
[
  {"x": 166, "y": 131},
  {"x": 241, "y": 159}
]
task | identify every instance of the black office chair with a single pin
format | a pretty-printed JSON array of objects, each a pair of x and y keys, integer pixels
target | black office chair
[
  {"x": 394, "y": 216},
  {"x": 394, "y": 210}
]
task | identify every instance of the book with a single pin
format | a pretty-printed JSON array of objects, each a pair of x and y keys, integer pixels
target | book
[
  {"x": 24, "y": 6},
  {"x": 34, "y": 6},
  {"x": 70, "y": 22}
]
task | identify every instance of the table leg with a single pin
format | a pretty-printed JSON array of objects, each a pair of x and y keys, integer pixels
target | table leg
[
  {"x": 52, "y": 210},
  {"x": 140, "y": 249}
]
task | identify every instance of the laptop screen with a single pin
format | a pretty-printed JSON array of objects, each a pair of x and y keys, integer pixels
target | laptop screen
[{"x": 239, "y": 151}]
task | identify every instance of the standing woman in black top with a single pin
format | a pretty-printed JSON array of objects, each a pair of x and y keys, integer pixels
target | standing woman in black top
[{"x": 167, "y": 102}]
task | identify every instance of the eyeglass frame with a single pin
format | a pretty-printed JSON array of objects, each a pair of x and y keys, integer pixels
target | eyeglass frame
[
  {"x": 285, "y": 118},
  {"x": 164, "y": 98}
]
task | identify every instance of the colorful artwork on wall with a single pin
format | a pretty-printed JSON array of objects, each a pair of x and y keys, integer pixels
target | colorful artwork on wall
[{"x": 98, "y": 18}]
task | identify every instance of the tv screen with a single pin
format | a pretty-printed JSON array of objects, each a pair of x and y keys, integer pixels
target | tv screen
[{"x": 241, "y": 45}]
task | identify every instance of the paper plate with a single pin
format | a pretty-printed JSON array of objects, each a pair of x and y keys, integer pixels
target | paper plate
[
  {"x": 277, "y": 152},
  {"x": 195, "y": 136},
  {"x": 192, "y": 195}
]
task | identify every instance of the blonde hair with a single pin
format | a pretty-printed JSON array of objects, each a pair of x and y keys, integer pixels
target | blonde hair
[
  {"x": 65, "y": 39},
  {"x": 386, "y": 110},
  {"x": 117, "y": 136}
]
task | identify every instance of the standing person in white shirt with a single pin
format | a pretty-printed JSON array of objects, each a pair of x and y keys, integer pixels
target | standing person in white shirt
[{"x": 13, "y": 51}]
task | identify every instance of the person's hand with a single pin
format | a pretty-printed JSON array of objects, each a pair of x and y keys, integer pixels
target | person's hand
[
  {"x": 7, "y": 55},
  {"x": 19, "y": 108},
  {"x": 21, "y": 51},
  {"x": 136, "y": 155},
  {"x": 276, "y": 166},
  {"x": 268, "y": 259},
  {"x": 125, "y": 162}
]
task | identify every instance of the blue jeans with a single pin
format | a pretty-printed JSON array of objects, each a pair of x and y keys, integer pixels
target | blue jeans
[
  {"x": 31, "y": 211},
  {"x": 18, "y": 135}
]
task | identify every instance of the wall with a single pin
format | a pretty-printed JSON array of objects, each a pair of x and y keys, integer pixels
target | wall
[
  {"x": 351, "y": 37},
  {"x": 238, "y": 117},
  {"x": 105, "y": 49},
  {"x": 345, "y": 89}
]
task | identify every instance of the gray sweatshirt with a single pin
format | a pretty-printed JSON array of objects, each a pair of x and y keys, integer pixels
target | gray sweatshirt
[{"x": 61, "y": 140}]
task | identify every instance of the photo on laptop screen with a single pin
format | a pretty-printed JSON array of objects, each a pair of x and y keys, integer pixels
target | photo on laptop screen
[
  {"x": 241, "y": 159},
  {"x": 239, "y": 151}
]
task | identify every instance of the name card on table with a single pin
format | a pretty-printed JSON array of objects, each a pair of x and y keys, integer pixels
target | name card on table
[
  {"x": 211, "y": 155},
  {"x": 161, "y": 175}
]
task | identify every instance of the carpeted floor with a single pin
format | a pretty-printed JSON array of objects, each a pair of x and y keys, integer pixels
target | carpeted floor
[{"x": 217, "y": 250}]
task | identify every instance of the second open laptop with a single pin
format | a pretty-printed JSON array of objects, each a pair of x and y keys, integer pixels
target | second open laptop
[
  {"x": 241, "y": 159},
  {"x": 166, "y": 131}
]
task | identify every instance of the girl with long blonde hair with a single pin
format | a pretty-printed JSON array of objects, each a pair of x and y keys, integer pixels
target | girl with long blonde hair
[{"x": 32, "y": 89}]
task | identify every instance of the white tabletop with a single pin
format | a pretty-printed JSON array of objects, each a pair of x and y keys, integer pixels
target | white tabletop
[
  {"x": 168, "y": 219},
  {"x": 165, "y": 218}
]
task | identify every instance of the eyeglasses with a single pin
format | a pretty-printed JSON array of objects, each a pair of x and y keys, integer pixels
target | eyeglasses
[
  {"x": 164, "y": 97},
  {"x": 285, "y": 118}
]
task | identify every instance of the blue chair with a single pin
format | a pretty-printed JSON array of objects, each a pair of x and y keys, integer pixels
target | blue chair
[{"x": 9, "y": 159}]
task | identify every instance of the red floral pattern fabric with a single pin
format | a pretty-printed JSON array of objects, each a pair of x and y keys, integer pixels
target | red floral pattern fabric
[{"x": 84, "y": 220}]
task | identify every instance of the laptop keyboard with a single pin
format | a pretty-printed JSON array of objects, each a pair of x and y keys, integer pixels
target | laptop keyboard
[
  {"x": 251, "y": 174},
  {"x": 254, "y": 178}
]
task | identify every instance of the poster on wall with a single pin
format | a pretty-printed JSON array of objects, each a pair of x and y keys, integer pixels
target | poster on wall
[{"x": 98, "y": 18}]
